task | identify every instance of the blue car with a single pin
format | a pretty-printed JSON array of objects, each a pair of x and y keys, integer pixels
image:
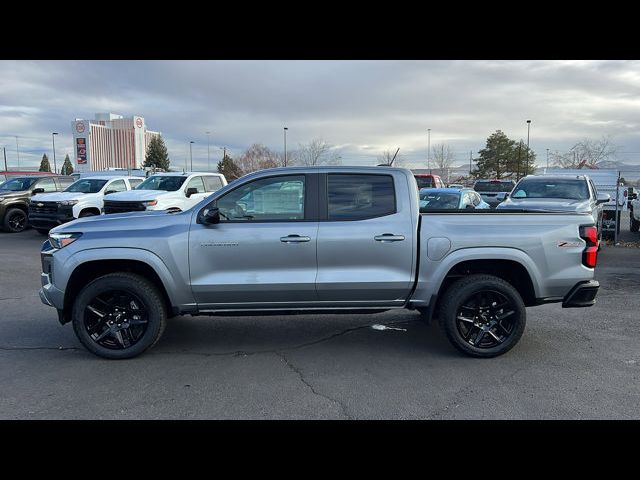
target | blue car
[{"x": 451, "y": 198}]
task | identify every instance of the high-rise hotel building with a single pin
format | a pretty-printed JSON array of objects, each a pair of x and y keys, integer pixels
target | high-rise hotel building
[{"x": 109, "y": 141}]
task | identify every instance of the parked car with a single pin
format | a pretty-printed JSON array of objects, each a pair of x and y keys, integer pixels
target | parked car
[
  {"x": 456, "y": 185},
  {"x": 426, "y": 180},
  {"x": 16, "y": 192},
  {"x": 451, "y": 198},
  {"x": 174, "y": 192},
  {"x": 83, "y": 198},
  {"x": 357, "y": 242},
  {"x": 493, "y": 191},
  {"x": 9, "y": 174},
  {"x": 558, "y": 193}
]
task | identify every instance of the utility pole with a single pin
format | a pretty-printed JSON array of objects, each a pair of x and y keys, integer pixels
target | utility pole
[
  {"x": 429, "y": 149},
  {"x": 208, "y": 152},
  {"x": 285, "y": 146},
  {"x": 53, "y": 139},
  {"x": 526, "y": 167},
  {"x": 191, "y": 153},
  {"x": 18, "y": 152},
  {"x": 547, "y": 159},
  {"x": 519, "y": 151},
  {"x": 4, "y": 149},
  {"x": 470, "y": 160}
]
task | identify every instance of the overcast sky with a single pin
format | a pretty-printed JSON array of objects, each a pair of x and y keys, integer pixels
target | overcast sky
[{"x": 360, "y": 107}]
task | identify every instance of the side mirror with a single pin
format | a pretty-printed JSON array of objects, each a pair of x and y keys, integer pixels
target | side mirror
[
  {"x": 603, "y": 198},
  {"x": 191, "y": 191},
  {"x": 110, "y": 191},
  {"x": 37, "y": 191},
  {"x": 209, "y": 216},
  {"x": 506, "y": 195}
]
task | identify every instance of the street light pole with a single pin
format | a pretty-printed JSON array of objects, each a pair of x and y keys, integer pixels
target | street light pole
[
  {"x": 547, "y": 159},
  {"x": 526, "y": 166},
  {"x": 191, "y": 154},
  {"x": 53, "y": 140},
  {"x": 4, "y": 149},
  {"x": 208, "y": 152},
  {"x": 285, "y": 146},
  {"x": 18, "y": 152},
  {"x": 429, "y": 149}
]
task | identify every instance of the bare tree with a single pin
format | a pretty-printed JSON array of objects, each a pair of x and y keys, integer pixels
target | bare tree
[
  {"x": 587, "y": 152},
  {"x": 257, "y": 157},
  {"x": 386, "y": 157},
  {"x": 316, "y": 152},
  {"x": 443, "y": 157}
]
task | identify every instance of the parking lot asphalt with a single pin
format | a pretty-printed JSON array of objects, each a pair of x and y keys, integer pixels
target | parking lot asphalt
[{"x": 569, "y": 364}]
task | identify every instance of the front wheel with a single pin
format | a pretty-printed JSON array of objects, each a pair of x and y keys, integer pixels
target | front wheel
[
  {"x": 119, "y": 315},
  {"x": 15, "y": 220},
  {"x": 483, "y": 315}
]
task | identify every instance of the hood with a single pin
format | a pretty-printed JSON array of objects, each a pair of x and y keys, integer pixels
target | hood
[
  {"x": 123, "y": 221},
  {"x": 59, "y": 196},
  {"x": 12, "y": 194},
  {"x": 138, "y": 195},
  {"x": 551, "y": 204}
]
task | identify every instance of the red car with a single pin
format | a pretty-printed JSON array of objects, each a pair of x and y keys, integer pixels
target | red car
[
  {"x": 7, "y": 174},
  {"x": 426, "y": 180}
]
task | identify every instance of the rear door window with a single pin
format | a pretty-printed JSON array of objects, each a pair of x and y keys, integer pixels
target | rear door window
[
  {"x": 48, "y": 184},
  {"x": 212, "y": 183},
  {"x": 196, "y": 182},
  {"x": 116, "y": 186},
  {"x": 358, "y": 197}
]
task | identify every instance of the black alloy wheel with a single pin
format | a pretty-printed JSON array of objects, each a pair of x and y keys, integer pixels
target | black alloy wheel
[
  {"x": 486, "y": 319},
  {"x": 15, "y": 220},
  {"x": 116, "y": 319}
]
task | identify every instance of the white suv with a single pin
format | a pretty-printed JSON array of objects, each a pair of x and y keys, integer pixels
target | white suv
[
  {"x": 83, "y": 198},
  {"x": 170, "y": 191}
]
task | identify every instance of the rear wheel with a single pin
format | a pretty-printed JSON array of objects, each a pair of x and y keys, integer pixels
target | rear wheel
[
  {"x": 119, "y": 315},
  {"x": 483, "y": 315},
  {"x": 15, "y": 220},
  {"x": 87, "y": 214}
]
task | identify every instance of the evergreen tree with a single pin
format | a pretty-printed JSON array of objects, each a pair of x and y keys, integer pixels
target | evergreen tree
[
  {"x": 504, "y": 158},
  {"x": 44, "y": 164},
  {"x": 229, "y": 168},
  {"x": 157, "y": 155},
  {"x": 67, "y": 168}
]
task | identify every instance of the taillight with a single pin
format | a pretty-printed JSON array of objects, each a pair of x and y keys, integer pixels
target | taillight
[{"x": 590, "y": 253}]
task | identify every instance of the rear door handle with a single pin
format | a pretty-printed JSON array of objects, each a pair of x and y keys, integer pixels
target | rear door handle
[
  {"x": 295, "y": 239},
  {"x": 388, "y": 237}
]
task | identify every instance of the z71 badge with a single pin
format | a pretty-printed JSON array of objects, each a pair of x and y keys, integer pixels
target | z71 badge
[{"x": 568, "y": 244}]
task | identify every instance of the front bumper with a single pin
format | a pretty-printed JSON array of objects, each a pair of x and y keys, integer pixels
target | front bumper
[
  {"x": 582, "y": 295},
  {"x": 50, "y": 220}
]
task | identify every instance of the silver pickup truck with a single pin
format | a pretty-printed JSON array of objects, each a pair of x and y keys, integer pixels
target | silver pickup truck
[{"x": 319, "y": 239}]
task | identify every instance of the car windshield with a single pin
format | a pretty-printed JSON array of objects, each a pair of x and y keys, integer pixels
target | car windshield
[
  {"x": 568, "y": 189},
  {"x": 86, "y": 185},
  {"x": 18, "y": 184},
  {"x": 495, "y": 186},
  {"x": 424, "y": 182},
  {"x": 432, "y": 200},
  {"x": 162, "y": 182}
]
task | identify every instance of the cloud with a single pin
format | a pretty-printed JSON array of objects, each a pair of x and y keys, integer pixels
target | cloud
[{"x": 364, "y": 107}]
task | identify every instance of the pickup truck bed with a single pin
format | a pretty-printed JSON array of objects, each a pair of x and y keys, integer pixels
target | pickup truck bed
[{"x": 316, "y": 239}]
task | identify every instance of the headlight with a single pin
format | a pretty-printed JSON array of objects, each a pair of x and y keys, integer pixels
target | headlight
[
  {"x": 61, "y": 240},
  {"x": 150, "y": 203},
  {"x": 68, "y": 202}
]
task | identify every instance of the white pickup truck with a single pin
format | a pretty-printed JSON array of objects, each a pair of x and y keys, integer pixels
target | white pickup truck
[
  {"x": 172, "y": 191},
  {"x": 83, "y": 198}
]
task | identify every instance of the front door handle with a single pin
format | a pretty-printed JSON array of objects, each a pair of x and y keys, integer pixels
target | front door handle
[
  {"x": 295, "y": 239},
  {"x": 388, "y": 237}
]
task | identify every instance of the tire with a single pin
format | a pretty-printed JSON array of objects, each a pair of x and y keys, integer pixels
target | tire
[
  {"x": 150, "y": 323},
  {"x": 634, "y": 224},
  {"x": 87, "y": 214},
  {"x": 482, "y": 291},
  {"x": 42, "y": 231},
  {"x": 15, "y": 220}
]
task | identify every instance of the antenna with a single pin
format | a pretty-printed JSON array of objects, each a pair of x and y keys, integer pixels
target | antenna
[{"x": 394, "y": 157}]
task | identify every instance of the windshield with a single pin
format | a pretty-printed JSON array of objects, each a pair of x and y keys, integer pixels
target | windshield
[
  {"x": 86, "y": 185},
  {"x": 18, "y": 184},
  {"x": 495, "y": 186},
  {"x": 424, "y": 182},
  {"x": 569, "y": 189},
  {"x": 162, "y": 182},
  {"x": 431, "y": 200}
]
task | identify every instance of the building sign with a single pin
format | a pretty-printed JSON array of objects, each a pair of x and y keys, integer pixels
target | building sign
[
  {"x": 81, "y": 150},
  {"x": 79, "y": 127},
  {"x": 139, "y": 122}
]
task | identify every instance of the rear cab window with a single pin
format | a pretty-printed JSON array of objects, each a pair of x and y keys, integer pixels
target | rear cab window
[{"x": 359, "y": 197}]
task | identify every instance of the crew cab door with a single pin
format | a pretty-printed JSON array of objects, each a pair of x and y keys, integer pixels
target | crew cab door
[
  {"x": 262, "y": 254},
  {"x": 194, "y": 198},
  {"x": 365, "y": 240}
]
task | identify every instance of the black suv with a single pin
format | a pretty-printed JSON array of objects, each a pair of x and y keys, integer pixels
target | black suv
[{"x": 16, "y": 192}]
